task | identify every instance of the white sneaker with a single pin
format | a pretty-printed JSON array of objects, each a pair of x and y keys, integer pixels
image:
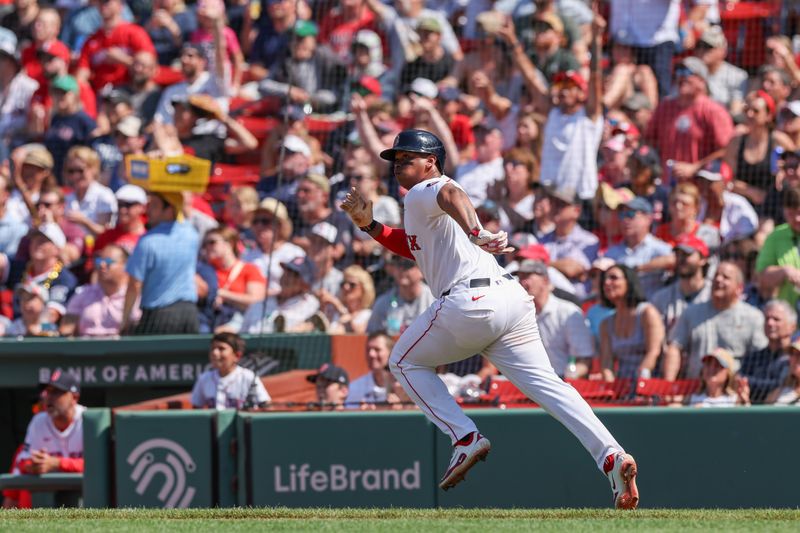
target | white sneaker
[
  {"x": 621, "y": 470},
  {"x": 466, "y": 452}
]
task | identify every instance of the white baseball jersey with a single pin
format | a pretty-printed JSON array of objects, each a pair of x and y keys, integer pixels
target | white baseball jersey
[
  {"x": 228, "y": 392},
  {"x": 497, "y": 320},
  {"x": 43, "y": 435},
  {"x": 443, "y": 251}
]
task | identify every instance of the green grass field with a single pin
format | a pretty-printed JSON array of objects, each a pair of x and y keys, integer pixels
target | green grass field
[{"x": 412, "y": 520}]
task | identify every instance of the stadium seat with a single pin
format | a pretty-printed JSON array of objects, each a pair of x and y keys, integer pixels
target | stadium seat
[{"x": 661, "y": 391}]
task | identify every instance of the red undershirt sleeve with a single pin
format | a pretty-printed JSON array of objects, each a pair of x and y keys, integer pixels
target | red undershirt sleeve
[
  {"x": 69, "y": 464},
  {"x": 394, "y": 240}
]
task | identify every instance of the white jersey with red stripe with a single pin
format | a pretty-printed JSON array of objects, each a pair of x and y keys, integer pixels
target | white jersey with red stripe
[
  {"x": 442, "y": 250},
  {"x": 42, "y": 434}
]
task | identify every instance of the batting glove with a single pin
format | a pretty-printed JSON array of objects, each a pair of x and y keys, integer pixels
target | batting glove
[{"x": 490, "y": 242}]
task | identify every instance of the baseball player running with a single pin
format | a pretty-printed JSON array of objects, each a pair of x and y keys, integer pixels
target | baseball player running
[{"x": 480, "y": 309}]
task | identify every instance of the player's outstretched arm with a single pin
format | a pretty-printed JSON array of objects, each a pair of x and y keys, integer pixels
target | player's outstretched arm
[
  {"x": 455, "y": 202},
  {"x": 360, "y": 212}
]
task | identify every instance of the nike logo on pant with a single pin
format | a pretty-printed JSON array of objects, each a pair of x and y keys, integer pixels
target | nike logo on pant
[{"x": 476, "y": 298}]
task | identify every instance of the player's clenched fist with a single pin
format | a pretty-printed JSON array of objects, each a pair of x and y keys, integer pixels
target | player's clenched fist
[{"x": 359, "y": 209}]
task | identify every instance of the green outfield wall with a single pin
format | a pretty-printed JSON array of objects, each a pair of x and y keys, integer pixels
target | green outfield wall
[
  {"x": 689, "y": 458},
  {"x": 116, "y": 372}
]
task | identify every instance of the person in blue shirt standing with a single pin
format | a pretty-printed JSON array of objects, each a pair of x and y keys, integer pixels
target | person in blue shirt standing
[{"x": 162, "y": 271}]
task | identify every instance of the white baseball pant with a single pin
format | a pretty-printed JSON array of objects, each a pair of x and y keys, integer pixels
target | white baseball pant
[{"x": 498, "y": 322}]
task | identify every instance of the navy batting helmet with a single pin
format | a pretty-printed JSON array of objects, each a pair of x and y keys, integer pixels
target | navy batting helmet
[{"x": 419, "y": 141}]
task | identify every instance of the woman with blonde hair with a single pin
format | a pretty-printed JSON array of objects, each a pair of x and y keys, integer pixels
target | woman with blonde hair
[
  {"x": 90, "y": 204},
  {"x": 272, "y": 230},
  {"x": 240, "y": 205},
  {"x": 720, "y": 386},
  {"x": 351, "y": 310},
  {"x": 684, "y": 208}
]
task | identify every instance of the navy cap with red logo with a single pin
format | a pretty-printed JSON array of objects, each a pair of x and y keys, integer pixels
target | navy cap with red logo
[
  {"x": 332, "y": 373},
  {"x": 63, "y": 381}
]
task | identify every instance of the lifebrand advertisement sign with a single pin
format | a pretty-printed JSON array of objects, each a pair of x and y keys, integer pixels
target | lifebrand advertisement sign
[{"x": 307, "y": 460}]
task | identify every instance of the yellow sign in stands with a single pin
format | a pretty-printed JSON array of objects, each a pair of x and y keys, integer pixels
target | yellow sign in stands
[{"x": 169, "y": 174}]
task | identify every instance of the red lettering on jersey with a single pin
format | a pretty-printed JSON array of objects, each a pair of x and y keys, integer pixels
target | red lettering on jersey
[{"x": 412, "y": 243}]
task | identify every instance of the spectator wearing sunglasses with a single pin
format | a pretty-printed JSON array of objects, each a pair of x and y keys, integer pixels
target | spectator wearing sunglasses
[
  {"x": 96, "y": 309},
  {"x": 727, "y": 84},
  {"x": 639, "y": 250},
  {"x": 131, "y": 202},
  {"x": 50, "y": 207}
]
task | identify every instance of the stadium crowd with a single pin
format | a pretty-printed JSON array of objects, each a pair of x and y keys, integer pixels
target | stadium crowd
[{"x": 643, "y": 155}]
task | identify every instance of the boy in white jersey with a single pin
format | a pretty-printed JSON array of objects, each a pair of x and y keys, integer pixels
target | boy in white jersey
[
  {"x": 227, "y": 385},
  {"x": 480, "y": 309},
  {"x": 54, "y": 440}
]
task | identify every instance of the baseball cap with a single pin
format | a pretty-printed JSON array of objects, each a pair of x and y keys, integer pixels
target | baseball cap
[
  {"x": 65, "y": 83},
  {"x": 293, "y": 113},
  {"x": 303, "y": 267},
  {"x": 691, "y": 243},
  {"x": 793, "y": 107},
  {"x": 52, "y": 232},
  {"x": 571, "y": 76},
  {"x": 367, "y": 38},
  {"x": 132, "y": 194},
  {"x": 565, "y": 194},
  {"x": 197, "y": 48},
  {"x": 714, "y": 37},
  {"x": 646, "y": 156},
  {"x": 639, "y": 203},
  {"x": 602, "y": 264},
  {"x": 551, "y": 19},
  {"x": 429, "y": 24},
  {"x": 320, "y": 181},
  {"x": 709, "y": 175},
  {"x": 368, "y": 85},
  {"x": 424, "y": 87},
  {"x": 115, "y": 96},
  {"x": 612, "y": 197},
  {"x": 38, "y": 156},
  {"x": 130, "y": 126},
  {"x": 325, "y": 231},
  {"x": 694, "y": 66},
  {"x": 274, "y": 208},
  {"x": 532, "y": 266},
  {"x": 295, "y": 144},
  {"x": 615, "y": 143},
  {"x": 62, "y": 381},
  {"x": 34, "y": 289},
  {"x": 306, "y": 28},
  {"x": 55, "y": 49},
  {"x": 330, "y": 372},
  {"x": 400, "y": 261},
  {"x": 8, "y": 43},
  {"x": 490, "y": 209},
  {"x": 534, "y": 252},
  {"x": 449, "y": 94},
  {"x": 723, "y": 357}
]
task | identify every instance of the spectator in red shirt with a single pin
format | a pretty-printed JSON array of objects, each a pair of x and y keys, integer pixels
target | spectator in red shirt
[
  {"x": 689, "y": 128},
  {"x": 54, "y": 58},
  {"x": 209, "y": 14},
  {"x": 239, "y": 284},
  {"x": 131, "y": 202},
  {"x": 106, "y": 55},
  {"x": 46, "y": 28},
  {"x": 339, "y": 25}
]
